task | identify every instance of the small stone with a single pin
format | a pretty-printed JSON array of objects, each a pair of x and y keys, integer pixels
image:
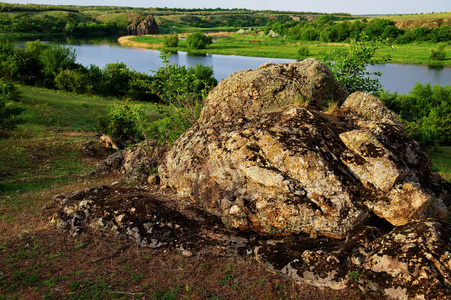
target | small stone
[
  {"x": 153, "y": 179},
  {"x": 187, "y": 253}
]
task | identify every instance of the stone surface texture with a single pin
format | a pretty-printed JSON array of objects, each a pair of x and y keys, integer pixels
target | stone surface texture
[{"x": 265, "y": 157}]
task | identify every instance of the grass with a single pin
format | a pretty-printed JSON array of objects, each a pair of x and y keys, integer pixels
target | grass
[
  {"x": 53, "y": 150},
  {"x": 441, "y": 159},
  {"x": 254, "y": 45}
]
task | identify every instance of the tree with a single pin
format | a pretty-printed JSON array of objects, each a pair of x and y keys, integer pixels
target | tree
[
  {"x": 425, "y": 112},
  {"x": 198, "y": 40},
  {"x": 171, "y": 41},
  {"x": 349, "y": 66}
]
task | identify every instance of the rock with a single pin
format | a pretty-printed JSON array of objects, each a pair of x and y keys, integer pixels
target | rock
[
  {"x": 108, "y": 142},
  {"x": 133, "y": 213},
  {"x": 370, "y": 108},
  {"x": 264, "y": 157},
  {"x": 153, "y": 179},
  {"x": 410, "y": 262},
  {"x": 146, "y": 26},
  {"x": 134, "y": 162}
]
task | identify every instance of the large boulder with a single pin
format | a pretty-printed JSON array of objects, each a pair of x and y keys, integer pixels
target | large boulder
[
  {"x": 264, "y": 156},
  {"x": 146, "y": 26}
]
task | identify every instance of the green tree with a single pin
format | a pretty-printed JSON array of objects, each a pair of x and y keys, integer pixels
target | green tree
[
  {"x": 171, "y": 41},
  {"x": 349, "y": 66},
  {"x": 425, "y": 112},
  {"x": 198, "y": 40}
]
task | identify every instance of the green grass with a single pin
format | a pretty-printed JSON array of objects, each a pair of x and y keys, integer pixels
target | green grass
[
  {"x": 415, "y": 53},
  {"x": 254, "y": 45},
  {"x": 441, "y": 159},
  {"x": 51, "y": 149}
]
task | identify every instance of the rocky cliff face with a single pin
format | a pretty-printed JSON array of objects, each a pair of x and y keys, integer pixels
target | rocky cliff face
[
  {"x": 147, "y": 26},
  {"x": 264, "y": 156}
]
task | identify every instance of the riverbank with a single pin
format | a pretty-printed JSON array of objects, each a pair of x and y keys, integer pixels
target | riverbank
[{"x": 226, "y": 43}]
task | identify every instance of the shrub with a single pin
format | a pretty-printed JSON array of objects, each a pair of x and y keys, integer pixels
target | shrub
[
  {"x": 303, "y": 52},
  {"x": 55, "y": 59},
  {"x": 72, "y": 81},
  {"x": 181, "y": 89},
  {"x": 171, "y": 41},
  {"x": 438, "y": 54},
  {"x": 426, "y": 113},
  {"x": 120, "y": 122},
  {"x": 198, "y": 40},
  {"x": 8, "y": 111},
  {"x": 349, "y": 66}
]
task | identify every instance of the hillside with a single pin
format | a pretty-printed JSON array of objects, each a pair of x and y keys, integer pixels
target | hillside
[
  {"x": 429, "y": 21},
  {"x": 111, "y": 20}
]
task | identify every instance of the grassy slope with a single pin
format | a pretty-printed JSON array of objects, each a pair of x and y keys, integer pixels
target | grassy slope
[{"x": 418, "y": 17}]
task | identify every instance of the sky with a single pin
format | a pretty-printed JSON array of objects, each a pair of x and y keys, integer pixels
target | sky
[{"x": 324, "y": 6}]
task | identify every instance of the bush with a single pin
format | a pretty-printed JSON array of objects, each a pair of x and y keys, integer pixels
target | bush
[
  {"x": 303, "y": 52},
  {"x": 181, "y": 89},
  {"x": 349, "y": 66},
  {"x": 54, "y": 59},
  {"x": 72, "y": 81},
  {"x": 426, "y": 113},
  {"x": 175, "y": 84},
  {"x": 121, "y": 122},
  {"x": 8, "y": 111},
  {"x": 438, "y": 54},
  {"x": 171, "y": 41},
  {"x": 198, "y": 40}
]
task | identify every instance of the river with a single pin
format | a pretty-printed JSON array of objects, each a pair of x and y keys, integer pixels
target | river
[{"x": 395, "y": 77}]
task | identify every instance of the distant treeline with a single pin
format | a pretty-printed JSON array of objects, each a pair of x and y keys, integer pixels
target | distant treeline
[
  {"x": 35, "y": 7},
  {"x": 326, "y": 29},
  {"x": 54, "y": 67},
  {"x": 304, "y": 26}
]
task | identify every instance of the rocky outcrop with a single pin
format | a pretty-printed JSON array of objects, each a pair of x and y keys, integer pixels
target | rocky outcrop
[
  {"x": 134, "y": 163},
  {"x": 344, "y": 198},
  {"x": 146, "y": 26},
  {"x": 409, "y": 262},
  {"x": 264, "y": 157}
]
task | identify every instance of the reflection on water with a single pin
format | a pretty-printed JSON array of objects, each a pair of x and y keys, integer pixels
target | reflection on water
[{"x": 395, "y": 77}]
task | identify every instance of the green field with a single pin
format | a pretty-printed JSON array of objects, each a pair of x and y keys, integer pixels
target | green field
[{"x": 254, "y": 45}]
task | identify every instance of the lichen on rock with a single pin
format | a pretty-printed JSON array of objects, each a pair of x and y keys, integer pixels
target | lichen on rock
[{"x": 263, "y": 160}]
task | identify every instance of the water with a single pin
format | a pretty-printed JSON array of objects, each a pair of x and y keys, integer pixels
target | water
[{"x": 395, "y": 77}]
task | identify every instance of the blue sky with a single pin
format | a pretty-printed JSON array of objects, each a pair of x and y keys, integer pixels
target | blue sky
[{"x": 328, "y": 6}]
